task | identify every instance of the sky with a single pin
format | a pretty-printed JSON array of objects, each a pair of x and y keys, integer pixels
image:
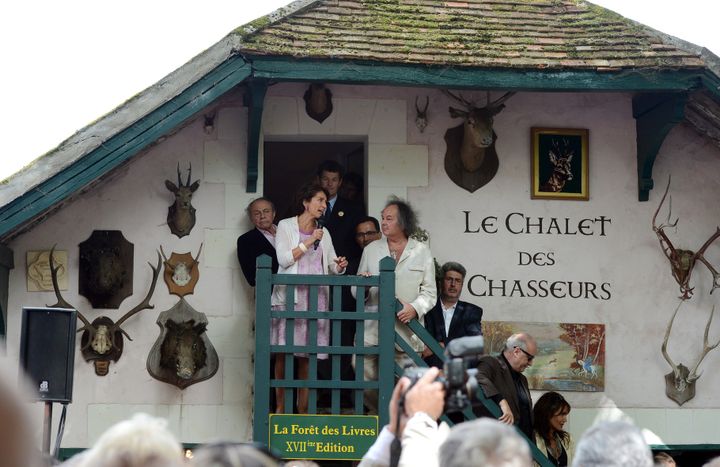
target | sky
[{"x": 69, "y": 62}]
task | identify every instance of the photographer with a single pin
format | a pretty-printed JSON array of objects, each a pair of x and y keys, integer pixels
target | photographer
[
  {"x": 482, "y": 442},
  {"x": 415, "y": 425}
]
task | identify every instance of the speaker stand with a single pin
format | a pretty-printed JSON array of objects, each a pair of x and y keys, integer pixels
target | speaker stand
[{"x": 47, "y": 428}]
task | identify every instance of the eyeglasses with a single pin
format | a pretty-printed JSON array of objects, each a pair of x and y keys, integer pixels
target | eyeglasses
[
  {"x": 528, "y": 354},
  {"x": 366, "y": 234}
]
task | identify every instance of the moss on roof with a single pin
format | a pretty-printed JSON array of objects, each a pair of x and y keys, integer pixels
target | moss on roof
[{"x": 479, "y": 33}]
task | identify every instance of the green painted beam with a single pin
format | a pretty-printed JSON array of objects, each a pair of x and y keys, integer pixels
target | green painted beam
[
  {"x": 255, "y": 102},
  {"x": 655, "y": 115},
  {"x": 124, "y": 145},
  {"x": 289, "y": 69}
]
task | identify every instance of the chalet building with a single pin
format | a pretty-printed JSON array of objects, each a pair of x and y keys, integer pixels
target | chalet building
[{"x": 625, "y": 107}]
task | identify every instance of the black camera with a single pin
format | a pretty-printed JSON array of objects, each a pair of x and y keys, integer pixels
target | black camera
[{"x": 460, "y": 372}]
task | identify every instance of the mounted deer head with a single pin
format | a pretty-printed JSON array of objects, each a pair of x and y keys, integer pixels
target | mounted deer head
[
  {"x": 181, "y": 214},
  {"x": 560, "y": 159},
  {"x": 680, "y": 383},
  {"x": 421, "y": 120},
  {"x": 318, "y": 102},
  {"x": 470, "y": 159},
  {"x": 102, "y": 340},
  {"x": 682, "y": 262}
]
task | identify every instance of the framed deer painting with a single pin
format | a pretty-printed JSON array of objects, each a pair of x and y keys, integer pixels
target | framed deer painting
[{"x": 559, "y": 164}]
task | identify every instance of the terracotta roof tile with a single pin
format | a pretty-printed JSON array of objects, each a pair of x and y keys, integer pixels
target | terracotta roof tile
[{"x": 478, "y": 33}]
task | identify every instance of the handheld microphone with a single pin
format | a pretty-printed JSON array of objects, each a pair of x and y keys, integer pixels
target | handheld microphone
[{"x": 320, "y": 225}]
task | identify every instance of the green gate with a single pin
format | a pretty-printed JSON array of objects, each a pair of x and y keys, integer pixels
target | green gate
[
  {"x": 264, "y": 378},
  {"x": 388, "y": 370}
]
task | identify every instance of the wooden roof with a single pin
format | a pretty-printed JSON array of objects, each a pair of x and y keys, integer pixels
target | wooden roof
[{"x": 538, "y": 34}]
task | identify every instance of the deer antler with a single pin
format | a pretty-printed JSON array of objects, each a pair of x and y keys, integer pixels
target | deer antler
[
  {"x": 197, "y": 257},
  {"x": 417, "y": 107},
  {"x": 676, "y": 371},
  {"x": 167, "y": 264},
  {"x": 178, "y": 172},
  {"x": 189, "y": 174},
  {"x": 701, "y": 258},
  {"x": 692, "y": 376},
  {"x": 61, "y": 303},
  {"x": 500, "y": 101},
  {"x": 459, "y": 98},
  {"x": 145, "y": 304}
]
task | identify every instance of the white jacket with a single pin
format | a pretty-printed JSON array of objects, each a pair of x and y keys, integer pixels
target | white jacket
[
  {"x": 286, "y": 239},
  {"x": 414, "y": 284}
]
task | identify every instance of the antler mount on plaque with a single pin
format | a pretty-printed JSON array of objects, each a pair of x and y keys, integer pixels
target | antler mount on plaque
[
  {"x": 682, "y": 262},
  {"x": 102, "y": 340},
  {"x": 680, "y": 382}
]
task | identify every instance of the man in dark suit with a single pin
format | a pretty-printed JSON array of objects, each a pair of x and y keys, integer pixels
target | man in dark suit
[
  {"x": 341, "y": 217},
  {"x": 451, "y": 318},
  {"x": 258, "y": 241},
  {"x": 502, "y": 381}
]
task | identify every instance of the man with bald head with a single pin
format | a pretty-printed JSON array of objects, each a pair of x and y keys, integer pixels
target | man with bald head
[
  {"x": 502, "y": 381},
  {"x": 259, "y": 240}
]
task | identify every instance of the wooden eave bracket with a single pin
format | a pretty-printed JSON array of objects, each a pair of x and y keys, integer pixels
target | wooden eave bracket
[
  {"x": 254, "y": 100},
  {"x": 655, "y": 115}
]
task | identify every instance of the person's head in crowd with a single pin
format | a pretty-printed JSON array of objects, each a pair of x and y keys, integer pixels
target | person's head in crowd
[
  {"x": 612, "y": 444},
  {"x": 520, "y": 350},
  {"x": 453, "y": 276},
  {"x": 16, "y": 448},
  {"x": 141, "y": 441},
  {"x": 484, "y": 442},
  {"x": 663, "y": 459},
  {"x": 229, "y": 454},
  {"x": 398, "y": 219},
  {"x": 312, "y": 198},
  {"x": 300, "y": 463},
  {"x": 330, "y": 176},
  {"x": 352, "y": 187},
  {"x": 367, "y": 231},
  {"x": 715, "y": 462},
  {"x": 550, "y": 415},
  {"x": 261, "y": 212}
]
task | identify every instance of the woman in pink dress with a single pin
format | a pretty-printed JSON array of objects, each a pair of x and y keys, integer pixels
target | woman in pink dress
[{"x": 303, "y": 248}]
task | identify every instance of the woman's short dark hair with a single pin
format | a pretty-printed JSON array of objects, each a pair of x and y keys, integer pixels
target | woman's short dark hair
[
  {"x": 306, "y": 193},
  {"x": 550, "y": 404},
  {"x": 406, "y": 216}
]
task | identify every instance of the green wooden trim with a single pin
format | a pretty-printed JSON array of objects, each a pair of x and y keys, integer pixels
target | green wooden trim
[
  {"x": 124, "y": 145},
  {"x": 255, "y": 101},
  {"x": 263, "y": 290},
  {"x": 7, "y": 262},
  {"x": 386, "y": 337},
  {"x": 655, "y": 114},
  {"x": 343, "y": 71},
  {"x": 685, "y": 447}
]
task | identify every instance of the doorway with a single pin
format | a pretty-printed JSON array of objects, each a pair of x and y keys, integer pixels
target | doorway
[{"x": 290, "y": 164}]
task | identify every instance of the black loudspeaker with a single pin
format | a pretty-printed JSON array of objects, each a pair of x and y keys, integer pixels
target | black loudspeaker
[{"x": 47, "y": 352}]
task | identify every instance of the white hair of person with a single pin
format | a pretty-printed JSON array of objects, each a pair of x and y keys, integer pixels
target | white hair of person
[
  {"x": 517, "y": 340},
  {"x": 141, "y": 441},
  {"x": 714, "y": 462},
  {"x": 612, "y": 444},
  {"x": 484, "y": 442}
]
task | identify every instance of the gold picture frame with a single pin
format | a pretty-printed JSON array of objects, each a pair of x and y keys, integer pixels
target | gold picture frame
[{"x": 560, "y": 164}]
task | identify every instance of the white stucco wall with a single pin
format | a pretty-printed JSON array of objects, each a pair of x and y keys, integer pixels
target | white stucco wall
[{"x": 404, "y": 162}]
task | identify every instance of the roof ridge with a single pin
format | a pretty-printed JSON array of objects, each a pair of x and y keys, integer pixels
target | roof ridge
[{"x": 273, "y": 17}]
